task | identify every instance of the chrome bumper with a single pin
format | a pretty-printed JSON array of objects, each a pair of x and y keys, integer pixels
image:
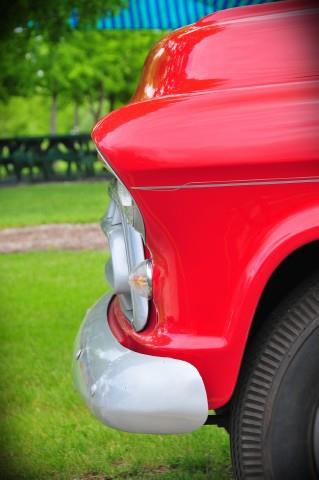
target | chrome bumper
[{"x": 132, "y": 391}]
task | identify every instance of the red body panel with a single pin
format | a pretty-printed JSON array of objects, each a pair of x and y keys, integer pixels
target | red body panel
[
  {"x": 261, "y": 44},
  {"x": 234, "y": 123}
]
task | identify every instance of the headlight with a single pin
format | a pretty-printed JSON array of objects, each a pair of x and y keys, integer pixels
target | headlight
[
  {"x": 128, "y": 271},
  {"x": 128, "y": 206},
  {"x": 140, "y": 279},
  {"x": 124, "y": 195}
]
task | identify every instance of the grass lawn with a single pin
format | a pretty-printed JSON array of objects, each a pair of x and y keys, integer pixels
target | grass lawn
[
  {"x": 46, "y": 431},
  {"x": 69, "y": 202}
]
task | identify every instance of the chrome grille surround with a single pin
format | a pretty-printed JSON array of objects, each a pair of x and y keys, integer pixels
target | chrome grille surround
[{"x": 127, "y": 251}]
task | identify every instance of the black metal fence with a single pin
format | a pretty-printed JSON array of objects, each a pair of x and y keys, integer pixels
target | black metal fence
[{"x": 51, "y": 157}]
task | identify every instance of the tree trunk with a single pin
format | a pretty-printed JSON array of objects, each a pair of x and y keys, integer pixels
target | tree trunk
[
  {"x": 76, "y": 119},
  {"x": 112, "y": 99},
  {"x": 53, "y": 116},
  {"x": 96, "y": 112}
]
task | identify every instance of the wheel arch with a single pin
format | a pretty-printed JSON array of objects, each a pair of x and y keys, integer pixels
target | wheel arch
[
  {"x": 296, "y": 251},
  {"x": 304, "y": 260},
  {"x": 292, "y": 246},
  {"x": 302, "y": 255}
]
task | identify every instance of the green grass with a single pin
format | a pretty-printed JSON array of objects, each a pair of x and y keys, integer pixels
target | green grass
[
  {"x": 46, "y": 431},
  {"x": 77, "y": 202}
]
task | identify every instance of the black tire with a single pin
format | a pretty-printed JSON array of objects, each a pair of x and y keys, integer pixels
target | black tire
[{"x": 276, "y": 403}]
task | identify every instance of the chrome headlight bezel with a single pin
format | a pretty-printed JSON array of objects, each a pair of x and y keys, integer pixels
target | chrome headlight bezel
[
  {"x": 120, "y": 194},
  {"x": 124, "y": 223}
]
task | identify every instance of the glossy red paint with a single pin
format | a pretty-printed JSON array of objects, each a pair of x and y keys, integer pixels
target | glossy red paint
[
  {"x": 234, "y": 124},
  {"x": 220, "y": 51}
]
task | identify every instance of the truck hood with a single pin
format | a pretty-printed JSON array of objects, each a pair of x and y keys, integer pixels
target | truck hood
[
  {"x": 220, "y": 51},
  {"x": 231, "y": 97}
]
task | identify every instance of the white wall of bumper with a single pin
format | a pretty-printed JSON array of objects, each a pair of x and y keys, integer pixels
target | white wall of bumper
[{"x": 132, "y": 391}]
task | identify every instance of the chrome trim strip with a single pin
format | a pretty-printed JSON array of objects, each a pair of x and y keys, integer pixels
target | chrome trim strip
[{"x": 233, "y": 183}]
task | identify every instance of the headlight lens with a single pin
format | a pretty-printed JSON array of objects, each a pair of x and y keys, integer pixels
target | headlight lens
[
  {"x": 140, "y": 279},
  {"x": 124, "y": 195},
  {"x": 128, "y": 206}
]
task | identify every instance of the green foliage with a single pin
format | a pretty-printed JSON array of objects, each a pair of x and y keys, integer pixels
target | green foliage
[
  {"x": 104, "y": 65},
  {"x": 15, "y": 73},
  {"x": 48, "y": 65},
  {"x": 81, "y": 202},
  {"x": 53, "y": 17},
  {"x": 22, "y": 116},
  {"x": 95, "y": 69},
  {"x": 46, "y": 431}
]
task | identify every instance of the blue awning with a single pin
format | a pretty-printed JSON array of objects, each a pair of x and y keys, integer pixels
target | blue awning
[{"x": 166, "y": 14}]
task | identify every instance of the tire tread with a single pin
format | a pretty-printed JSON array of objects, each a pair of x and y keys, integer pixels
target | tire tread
[{"x": 262, "y": 362}]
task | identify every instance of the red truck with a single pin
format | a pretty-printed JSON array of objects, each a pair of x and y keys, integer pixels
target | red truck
[{"x": 213, "y": 230}]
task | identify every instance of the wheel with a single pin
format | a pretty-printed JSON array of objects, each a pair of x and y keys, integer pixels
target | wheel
[{"x": 275, "y": 410}]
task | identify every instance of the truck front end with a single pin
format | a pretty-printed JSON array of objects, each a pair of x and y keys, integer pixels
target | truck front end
[
  {"x": 126, "y": 389},
  {"x": 224, "y": 113}
]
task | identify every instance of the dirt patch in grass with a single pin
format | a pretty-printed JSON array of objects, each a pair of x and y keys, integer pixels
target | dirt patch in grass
[
  {"x": 52, "y": 237},
  {"x": 145, "y": 472}
]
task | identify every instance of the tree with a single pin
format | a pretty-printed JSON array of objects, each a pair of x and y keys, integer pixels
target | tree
[
  {"x": 99, "y": 76},
  {"x": 94, "y": 69},
  {"x": 15, "y": 75},
  {"x": 47, "y": 66},
  {"x": 105, "y": 65},
  {"x": 23, "y": 20},
  {"x": 52, "y": 19}
]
